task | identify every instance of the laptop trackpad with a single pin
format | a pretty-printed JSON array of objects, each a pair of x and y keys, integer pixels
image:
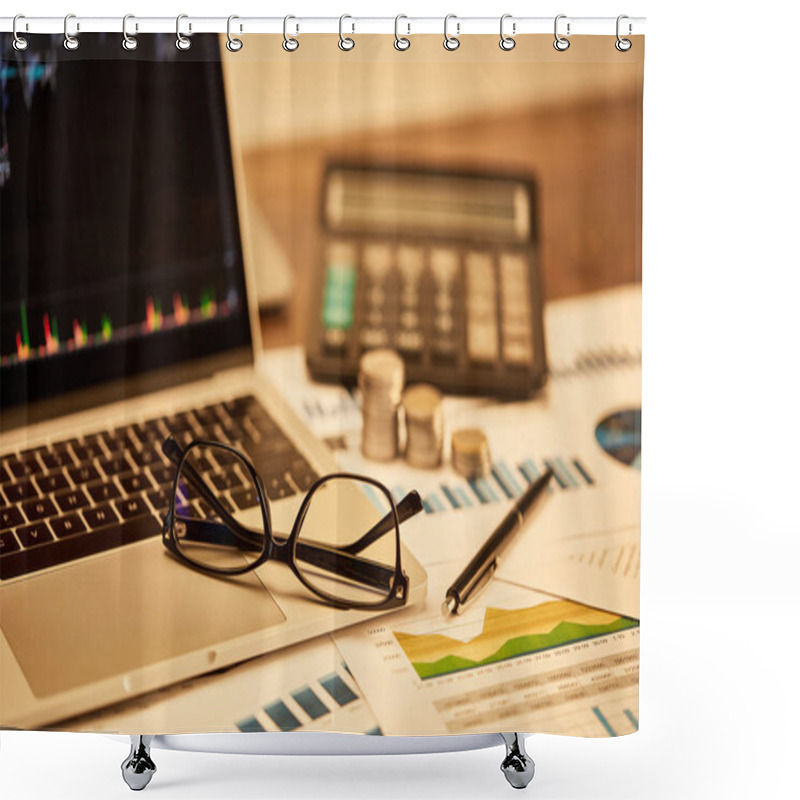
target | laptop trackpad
[{"x": 127, "y": 610}]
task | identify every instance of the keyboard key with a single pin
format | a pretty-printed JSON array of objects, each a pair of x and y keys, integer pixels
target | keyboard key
[
  {"x": 302, "y": 473},
  {"x": 85, "y": 473},
  {"x": 57, "y": 460},
  {"x": 10, "y": 517},
  {"x": 67, "y": 525},
  {"x": 101, "y": 492},
  {"x": 277, "y": 488},
  {"x": 116, "y": 465},
  {"x": 87, "y": 452},
  {"x": 53, "y": 482},
  {"x": 163, "y": 475},
  {"x": 225, "y": 480},
  {"x": 130, "y": 507},
  {"x": 148, "y": 455},
  {"x": 8, "y": 543},
  {"x": 23, "y": 490},
  {"x": 39, "y": 509},
  {"x": 5, "y": 474},
  {"x": 37, "y": 533},
  {"x": 159, "y": 499},
  {"x": 74, "y": 547},
  {"x": 100, "y": 516},
  {"x": 24, "y": 468},
  {"x": 71, "y": 500},
  {"x": 245, "y": 498},
  {"x": 137, "y": 482}
]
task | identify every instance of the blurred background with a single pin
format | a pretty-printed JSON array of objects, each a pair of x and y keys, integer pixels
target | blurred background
[{"x": 573, "y": 125}]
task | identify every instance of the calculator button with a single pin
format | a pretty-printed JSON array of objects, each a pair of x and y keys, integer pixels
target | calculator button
[
  {"x": 377, "y": 260},
  {"x": 335, "y": 338},
  {"x": 483, "y": 346},
  {"x": 517, "y": 352},
  {"x": 444, "y": 323},
  {"x": 375, "y": 318},
  {"x": 409, "y": 319},
  {"x": 373, "y": 337},
  {"x": 409, "y": 297},
  {"x": 444, "y": 265},
  {"x": 409, "y": 342},
  {"x": 445, "y": 350},
  {"x": 410, "y": 262},
  {"x": 443, "y": 301},
  {"x": 376, "y": 296}
]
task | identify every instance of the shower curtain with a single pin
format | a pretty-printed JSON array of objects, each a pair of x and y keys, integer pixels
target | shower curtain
[{"x": 436, "y": 252}]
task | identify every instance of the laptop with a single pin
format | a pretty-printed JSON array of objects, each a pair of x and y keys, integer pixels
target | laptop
[{"x": 127, "y": 315}]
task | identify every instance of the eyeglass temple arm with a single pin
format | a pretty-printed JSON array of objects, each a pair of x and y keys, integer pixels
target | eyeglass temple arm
[
  {"x": 173, "y": 451},
  {"x": 330, "y": 559},
  {"x": 410, "y": 505}
]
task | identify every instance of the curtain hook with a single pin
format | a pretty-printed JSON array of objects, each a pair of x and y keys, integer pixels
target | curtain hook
[
  {"x": 400, "y": 42},
  {"x": 182, "y": 42},
  {"x": 71, "y": 42},
  {"x": 623, "y": 45},
  {"x": 233, "y": 44},
  {"x": 451, "y": 42},
  {"x": 20, "y": 42},
  {"x": 289, "y": 43},
  {"x": 561, "y": 44},
  {"x": 507, "y": 42},
  {"x": 129, "y": 42},
  {"x": 345, "y": 42}
]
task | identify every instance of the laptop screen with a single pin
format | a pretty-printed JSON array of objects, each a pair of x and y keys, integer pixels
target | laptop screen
[{"x": 120, "y": 251}]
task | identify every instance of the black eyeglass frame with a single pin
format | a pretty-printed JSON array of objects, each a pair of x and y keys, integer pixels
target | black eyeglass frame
[{"x": 285, "y": 551}]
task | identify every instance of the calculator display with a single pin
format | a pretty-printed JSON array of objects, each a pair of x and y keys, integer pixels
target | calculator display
[
  {"x": 428, "y": 204},
  {"x": 441, "y": 267}
]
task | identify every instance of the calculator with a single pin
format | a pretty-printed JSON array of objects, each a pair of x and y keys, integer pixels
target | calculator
[{"x": 440, "y": 266}]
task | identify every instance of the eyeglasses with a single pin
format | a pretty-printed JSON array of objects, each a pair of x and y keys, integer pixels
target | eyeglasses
[{"x": 344, "y": 545}]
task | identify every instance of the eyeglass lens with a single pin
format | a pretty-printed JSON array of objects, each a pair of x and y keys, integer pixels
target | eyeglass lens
[
  {"x": 347, "y": 544},
  {"x": 218, "y": 520}
]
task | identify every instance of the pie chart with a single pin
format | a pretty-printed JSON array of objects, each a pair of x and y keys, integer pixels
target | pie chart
[{"x": 620, "y": 435}]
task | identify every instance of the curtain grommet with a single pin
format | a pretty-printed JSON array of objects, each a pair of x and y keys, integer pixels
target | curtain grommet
[
  {"x": 507, "y": 42},
  {"x": 623, "y": 45},
  {"x": 71, "y": 42},
  {"x": 561, "y": 43}
]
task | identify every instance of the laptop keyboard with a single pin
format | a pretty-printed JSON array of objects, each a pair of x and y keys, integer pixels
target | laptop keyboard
[{"x": 86, "y": 495}]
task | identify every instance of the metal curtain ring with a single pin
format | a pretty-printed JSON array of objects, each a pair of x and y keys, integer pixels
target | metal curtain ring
[
  {"x": 451, "y": 42},
  {"x": 400, "y": 42},
  {"x": 345, "y": 42},
  {"x": 289, "y": 44},
  {"x": 233, "y": 44},
  {"x": 182, "y": 42},
  {"x": 128, "y": 42},
  {"x": 507, "y": 42},
  {"x": 71, "y": 42},
  {"x": 20, "y": 42},
  {"x": 623, "y": 45},
  {"x": 561, "y": 44}
]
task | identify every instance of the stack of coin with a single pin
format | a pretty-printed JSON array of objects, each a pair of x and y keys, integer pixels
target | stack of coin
[
  {"x": 424, "y": 426},
  {"x": 470, "y": 453},
  {"x": 381, "y": 377}
]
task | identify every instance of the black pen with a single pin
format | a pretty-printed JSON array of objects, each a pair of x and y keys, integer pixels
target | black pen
[{"x": 484, "y": 563}]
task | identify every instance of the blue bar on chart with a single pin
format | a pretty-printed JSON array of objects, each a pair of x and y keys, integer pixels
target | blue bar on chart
[
  {"x": 603, "y": 721},
  {"x": 279, "y": 713},
  {"x": 307, "y": 699},
  {"x": 338, "y": 689},
  {"x": 503, "y": 483},
  {"x": 310, "y": 705}
]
